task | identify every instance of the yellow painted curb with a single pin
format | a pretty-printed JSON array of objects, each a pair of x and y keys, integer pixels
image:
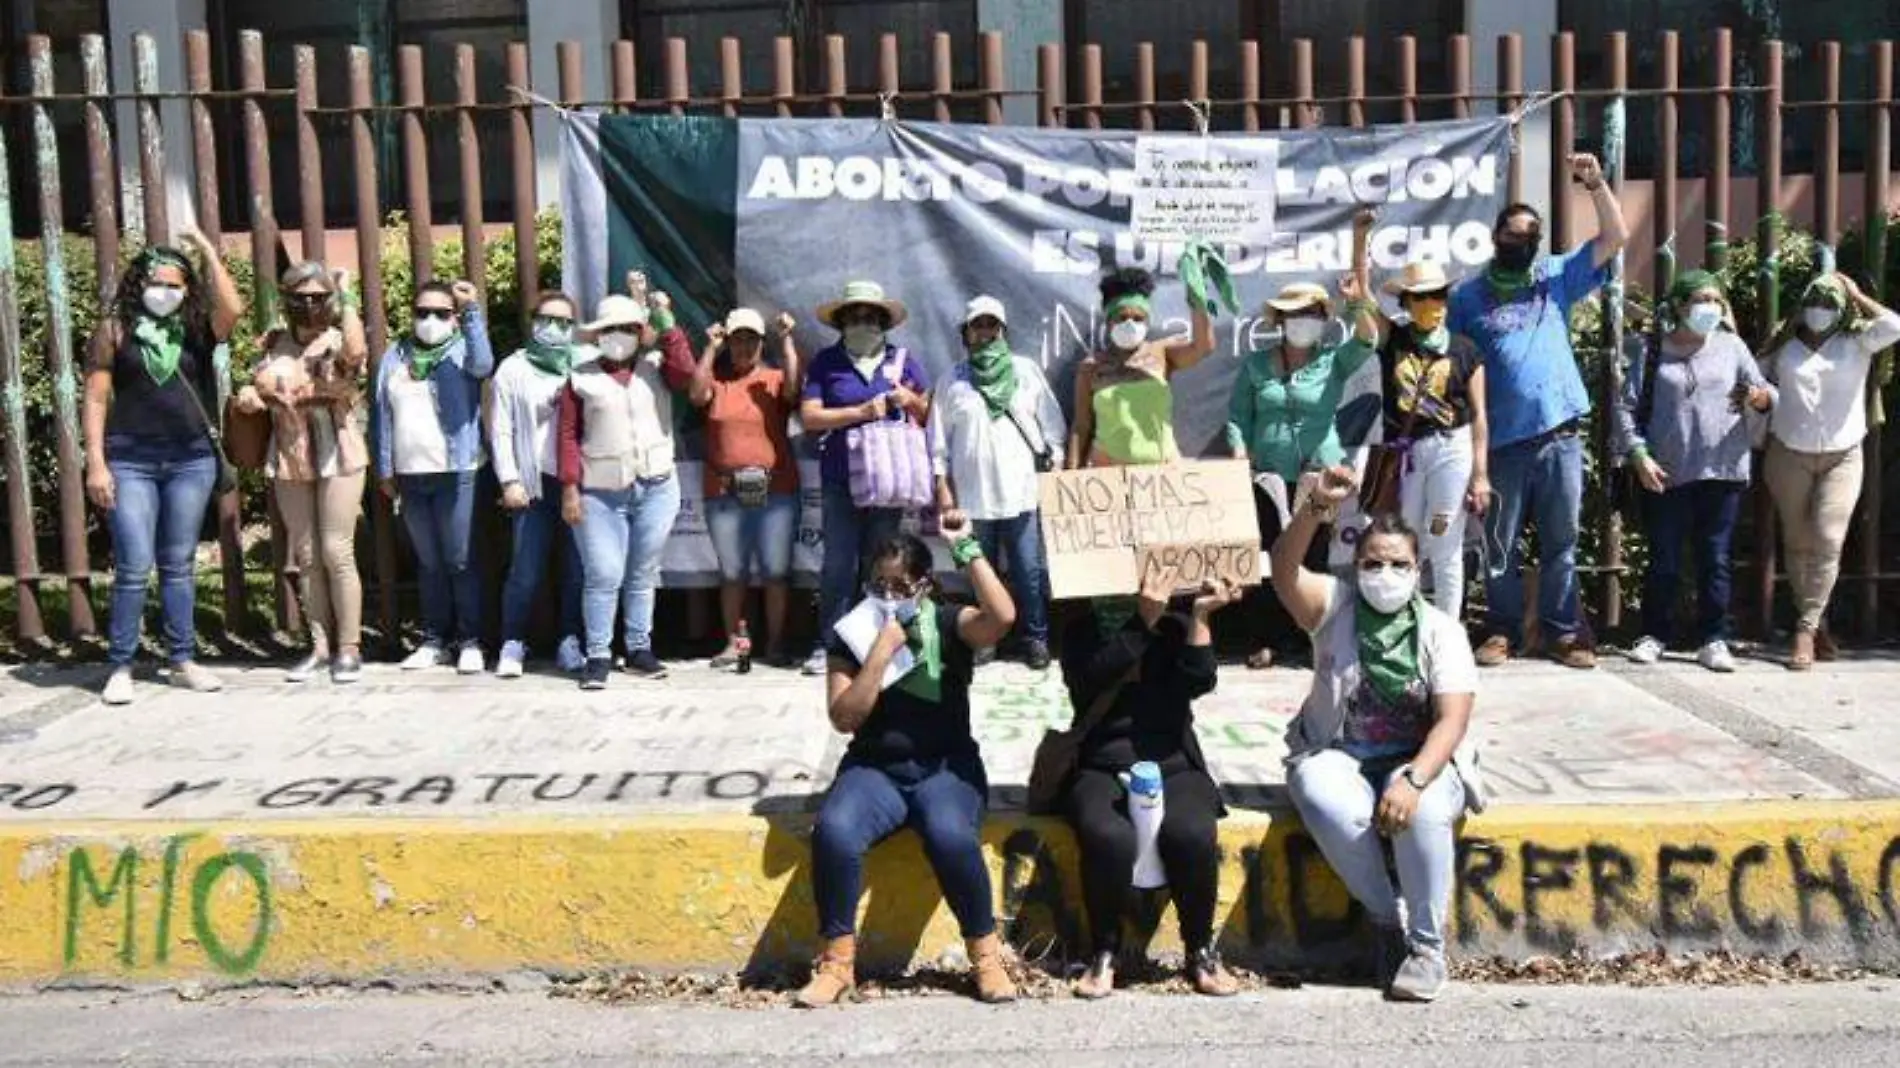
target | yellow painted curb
[{"x": 357, "y": 899}]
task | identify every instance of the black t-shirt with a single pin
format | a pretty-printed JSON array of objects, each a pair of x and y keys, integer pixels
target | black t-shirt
[
  {"x": 1152, "y": 717},
  {"x": 905, "y": 727},
  {"x": 1443, "y": 381},
  {"x": 141, "y": 408}
]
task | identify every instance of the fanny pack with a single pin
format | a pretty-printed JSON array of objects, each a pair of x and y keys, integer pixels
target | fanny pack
[{"x": 750, "y": 486}]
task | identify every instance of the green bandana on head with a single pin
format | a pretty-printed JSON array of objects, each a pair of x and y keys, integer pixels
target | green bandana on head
[
  {"x": 926, "y": 644},
  {"x": 1388, "y": 647},
  {"x": 554, "y": 360},
  {"x": 161, "y": 343},
  {"x": 1128, "y": 300},
  {"x": 993, "y": 372}
]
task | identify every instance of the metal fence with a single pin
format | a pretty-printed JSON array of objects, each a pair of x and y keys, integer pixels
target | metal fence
[{"x": 240, "y": 112}]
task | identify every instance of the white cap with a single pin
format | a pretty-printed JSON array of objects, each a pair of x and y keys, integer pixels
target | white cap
[
  {"x": 617, "y": 310},
  {"x": 745, "y": 319},
  {"x": 982, "y": 306}
]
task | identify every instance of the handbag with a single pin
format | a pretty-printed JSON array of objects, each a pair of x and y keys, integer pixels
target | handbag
[
  {"x": 750, "y": 486},
  {"x": 246, "y": 436},
  {"x": 1059, "y": 753},
  {"x": 890, "y": 458},
  {"x": 1385, "y": 467},
  {"x": 227, "y": 474}
]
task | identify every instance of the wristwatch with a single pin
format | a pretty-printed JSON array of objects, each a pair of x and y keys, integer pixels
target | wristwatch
[{"x": 1412, "y": 777}]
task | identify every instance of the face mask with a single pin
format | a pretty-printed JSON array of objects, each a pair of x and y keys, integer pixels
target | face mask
[
  {"x": 902, "y": 609},
  {"x": 1304, "y": 333},
  {"x": 1703, "y": 318},
  {"x": 1819, "y": 320},
  {"x": 1388, "y": 589},
  {"x": 1516, "y": 254},
  {"x": 548, "y": 332},
  {"x": 619, "y": 347},
  {"x": 864, "y": 339},
  {"x": 1435, "y": 341},
  {"x": 1128, "y": 334},
  {"x": 433, "y": 331},
  {"x": 162, "y": 301}
]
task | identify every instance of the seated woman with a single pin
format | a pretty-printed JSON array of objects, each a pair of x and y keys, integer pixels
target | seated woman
[
  {"x": 1149, "y": 665},
  {"x": 913, "y": 761},
  {"x": 1371, "y": 752}
]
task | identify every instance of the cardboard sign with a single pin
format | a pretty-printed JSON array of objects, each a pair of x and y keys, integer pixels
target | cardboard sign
[
  {"x": 1205, "y": 188},
  {"x": 1105, "y": 529}
]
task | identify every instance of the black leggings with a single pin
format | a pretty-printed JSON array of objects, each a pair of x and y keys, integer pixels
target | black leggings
[{"x": 1098, "y": 810}]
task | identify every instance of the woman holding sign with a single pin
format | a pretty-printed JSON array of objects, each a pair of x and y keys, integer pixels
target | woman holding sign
[
  {"x": 1371, "y": 752},
  {"x": 1124, "y": 406},
  {"x": 1134, "y": 671},
  {"x": 913, "y": 761},
  {"x": 1283, "y": 414}
]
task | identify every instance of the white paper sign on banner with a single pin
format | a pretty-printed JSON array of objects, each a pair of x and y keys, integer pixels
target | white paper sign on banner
[{"x": 1205, "y": 189}]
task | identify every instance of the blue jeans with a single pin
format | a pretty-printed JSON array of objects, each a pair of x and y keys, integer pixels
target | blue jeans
[
  {"x": 538, "y": 528},
  {"x": 622, "y": 534},
  {"x": 1019, "y": 542},
  {"x": 942, "y": 802},
  {"x": 439, "y": 513},
  {"x": 851, "y": 533},
  {"x": 1541, "y": 482},
  {"x": 162, "y": 489},
  {"x": 1704, "y": 514},
  {"x": 754, "y": 541}
]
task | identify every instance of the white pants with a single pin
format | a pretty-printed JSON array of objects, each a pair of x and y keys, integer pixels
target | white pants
[
  {"x": 1432, "y": 500},
  {"x": 1336, "y": 802}
]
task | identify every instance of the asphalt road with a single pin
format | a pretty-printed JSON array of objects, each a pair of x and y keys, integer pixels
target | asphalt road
[{"x": 1475, "y": 1027}]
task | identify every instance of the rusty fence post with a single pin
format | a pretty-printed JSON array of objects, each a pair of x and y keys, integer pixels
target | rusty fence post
[
  {"x": 992, "y": 77},
  {"x": 1670, "y": 64},
  {"x": 1408, "y": 79},
  {"x": 942, "y": 77},
  {"x": 679, "y": 82},
  {"x": 1356, "y": 81},
  {"x": 1460, "y": 48},
  {"x": 1249, "y": 86},
  {"x": 474, "y": 261},
  {"x": 1307, "y": 114},
  {"x": 1050, "y": 111},
  {"x": 835, "y": 81},
  {"x": 1612, "y": 530},
  {"x": 890, "y": 81},
  {"x": 369, "y": 243},
  {"x": 626, "y": 83},
  {"x": 59, "y": 338},
  {"x": 102, "y": 165},
  {"x": 1767, "y": 308},
  {"x": 29, "y": 624},
  {"x": 1092, "y": 86},
  {"x": 1827, "y": 191},
  {"x": 1879, "y": 146},
  {"x": 1145, "y": 85},
  {"x": 1511, "y": 97},
  {"x": 415, "y": 165},
  {"x": 1563, "y": 134},
  {"x": 784, "y": 75},
  {"x": 521, "y": 173},
  {"x": 310, "y": 158},
  {"x": 731, "y": 77}
]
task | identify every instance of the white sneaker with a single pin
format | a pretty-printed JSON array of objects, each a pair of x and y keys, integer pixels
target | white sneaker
[
  {"x": 192, "y": 676},
  {"x": 1716, "y": 657},
  {"x": 471, "y": 661},
  {"x": 118, "y": 687},
  {"x": 428, "y": 656},
  {"x": 570, "y": 657},
  {"x": 1646, "y": 651},
  {"x": 509, "y": 666}
]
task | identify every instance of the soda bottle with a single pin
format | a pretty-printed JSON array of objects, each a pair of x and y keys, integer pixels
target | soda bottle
[{"x": 742, "y": 646}]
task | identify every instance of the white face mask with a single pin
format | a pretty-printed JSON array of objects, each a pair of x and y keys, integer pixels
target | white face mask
[
  {"x": 619, "y": 346},
  {"x": 1704, "y": 316},
  {"x": 1819, "y": 320},
  {"x": 1388, "y": 589},
  {"x": 864, "y": 340},
  {"x": 902, "y": 609},
  {"x": 548, "y": 333},
  {"x": 432, "y": 331},
  {"x": 1128, "y": 334},
  {"x": 1305, "y": 332},
  {"x": 162, "y": 301}
]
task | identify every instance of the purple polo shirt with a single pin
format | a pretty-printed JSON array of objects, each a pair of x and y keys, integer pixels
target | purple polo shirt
[{"x": 834, "y": 382}]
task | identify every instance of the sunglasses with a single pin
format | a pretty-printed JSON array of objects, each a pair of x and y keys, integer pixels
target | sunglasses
[
  {"x": 554, "y": 320},
  {"x": 309, "y": 300},
  {"x": 892, "y": 589},
  {"x": 1373, "y": 567},
  {"x": 1439, "y": 295},
  {"x": 435, "y": 313}
]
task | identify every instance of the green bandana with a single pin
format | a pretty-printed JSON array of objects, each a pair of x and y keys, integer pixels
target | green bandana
[
  {"x": 926, "y": 644},
  {"x": 554, "y": 360},
  {"x": 1388, "y": 647},
  {"x": 161, "y": 343},
  {"x": 1128, "y": 300},
  {"x": 993, "y": 372},
  {"x": 1113, "y": 613},
  {"x": 1202, "y": 265},
  {"x": 423, "y": 361},
  {"x": 1506, "y": 283}
]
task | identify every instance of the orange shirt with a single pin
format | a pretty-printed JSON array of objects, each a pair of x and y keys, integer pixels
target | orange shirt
[{"x": 745, "y": 427}]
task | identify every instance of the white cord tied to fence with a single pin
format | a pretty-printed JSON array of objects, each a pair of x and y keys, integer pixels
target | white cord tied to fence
[
  {"x": 530, "y": 96},
  {"x": 1202, "y": 110},
  {"x": 887, "y": 108}
]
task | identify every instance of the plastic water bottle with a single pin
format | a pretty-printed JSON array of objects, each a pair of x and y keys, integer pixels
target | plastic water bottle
[
  {"x": 1145, "y": 808},
  {"x": 742, "y": 647}
]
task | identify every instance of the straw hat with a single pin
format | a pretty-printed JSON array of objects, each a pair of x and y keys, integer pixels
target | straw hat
[
  {"x": 1298, "y": 297},
  {"x": 1419, "y": 276},
  {"x": 863, "y": 293},
  {"x": 617, "y": 310}
]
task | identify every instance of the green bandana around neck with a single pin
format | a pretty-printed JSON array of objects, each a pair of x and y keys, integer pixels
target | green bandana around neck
[
  {"x": 161, "y": 344},
  {"x": 1388, "y": 646},
  {"x": 1201, "y": 266},
  {"x": 1113, "y": 613},
  {"x": 423, "y": 360},
  {"x": 1507, "y": 283},
  {"x": 993, "y": 372},
  {"x": 926, "y": 644},
  {"x": 554, "y": 360}
]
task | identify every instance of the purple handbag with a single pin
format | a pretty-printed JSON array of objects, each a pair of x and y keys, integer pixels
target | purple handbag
[{"x": 890, "y": 459}]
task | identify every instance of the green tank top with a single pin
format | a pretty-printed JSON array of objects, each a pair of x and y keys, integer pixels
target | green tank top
[{"x": 1134, "y": 421}]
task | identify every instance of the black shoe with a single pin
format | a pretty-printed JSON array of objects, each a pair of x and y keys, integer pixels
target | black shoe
[
  {"x": 594, "y": 675},
  {"x": 1036, "y": 655},
  {"x": 1389, "y": 950},
  {"x": 642, "y": 664}
]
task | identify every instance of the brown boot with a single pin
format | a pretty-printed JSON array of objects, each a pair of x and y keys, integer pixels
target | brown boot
[
  {"x": 1802, "y": 656},
  {"x": 987, "y": 967},
  {"x": 1825, "y": 650},
  {"x": 834, "y": 975},
  {"x": 1574, "y": 651},
  {"x": 1493, "y": 651}
]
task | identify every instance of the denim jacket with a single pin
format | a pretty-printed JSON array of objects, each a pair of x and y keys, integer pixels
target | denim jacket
[{"x": 457, "y": 382}]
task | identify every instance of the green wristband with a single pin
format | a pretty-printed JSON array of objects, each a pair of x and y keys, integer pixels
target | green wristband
[
  {"x": 966, "y": 550},
  {"x": 662, "y": 319}
]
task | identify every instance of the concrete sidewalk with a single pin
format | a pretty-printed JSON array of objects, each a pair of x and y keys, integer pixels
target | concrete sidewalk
[{"x": 421, "y": 823}]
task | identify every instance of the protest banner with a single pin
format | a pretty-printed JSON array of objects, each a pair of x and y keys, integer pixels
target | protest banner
[
  {"x": 779, "y": 213},
  {"x": 1106, "y": 530}
]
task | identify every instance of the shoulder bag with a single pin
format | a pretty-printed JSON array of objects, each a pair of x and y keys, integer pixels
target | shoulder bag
[{"x": 1059, "y": 753}]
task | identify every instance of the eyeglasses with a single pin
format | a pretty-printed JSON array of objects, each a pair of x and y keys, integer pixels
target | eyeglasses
[
  {"x": 893, "y": 589},
  {"x": 435, "y": 313},
  {"x": 553, "y": 320},
  {"x": 309, "y": 300},
  {"x": 1373, "y": 567},
  {"x": 1438, "y": 296}
]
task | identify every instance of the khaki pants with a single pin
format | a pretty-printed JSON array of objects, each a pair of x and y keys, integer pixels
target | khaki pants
[
  {"x": 1815, "y": 494},
  {"x": 320, "y": 519}
]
